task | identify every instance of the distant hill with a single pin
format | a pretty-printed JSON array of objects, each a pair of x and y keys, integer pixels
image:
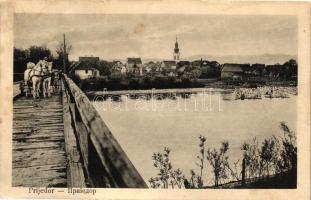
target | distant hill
[{"x": 264, "y": 58}]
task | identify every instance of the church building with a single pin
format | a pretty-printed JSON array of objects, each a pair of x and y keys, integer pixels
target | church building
[{"x": 176, "y": 52}]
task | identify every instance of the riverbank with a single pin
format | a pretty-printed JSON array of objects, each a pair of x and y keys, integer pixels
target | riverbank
[
  {"x": 264, "y": 92},
  {"x": 285, "y": 180},
  {"x": 227, "y": 93}
]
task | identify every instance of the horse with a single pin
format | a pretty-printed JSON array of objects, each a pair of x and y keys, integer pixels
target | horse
[
  {"x": 46, "y": 80},
  {"x": 30, "y": 66},
  {"x": 35, "y": 74}
]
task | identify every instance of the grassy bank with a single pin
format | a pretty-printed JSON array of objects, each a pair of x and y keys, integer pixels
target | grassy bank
[{"x": 285, "y": 180}]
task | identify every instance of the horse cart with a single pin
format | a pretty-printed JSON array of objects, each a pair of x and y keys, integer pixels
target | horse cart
[{"x": 40, "y": 80}]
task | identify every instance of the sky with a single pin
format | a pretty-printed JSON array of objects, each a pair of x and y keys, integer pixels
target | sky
[{"x": 118, "y": 36}]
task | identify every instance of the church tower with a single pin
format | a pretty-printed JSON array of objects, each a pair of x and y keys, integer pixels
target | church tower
[{"x": 176, "y": 52}]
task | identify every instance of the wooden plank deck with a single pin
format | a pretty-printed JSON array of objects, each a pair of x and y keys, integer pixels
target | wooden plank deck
[{"x": 39, "y": 157}]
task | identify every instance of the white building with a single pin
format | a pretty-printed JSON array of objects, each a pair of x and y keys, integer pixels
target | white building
[
  {"x": 84, "y": 72},
  {"x": 118, "y": 66}
]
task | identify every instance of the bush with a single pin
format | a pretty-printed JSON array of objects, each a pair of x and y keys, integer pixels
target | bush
[{"x": 275, "y": 156}]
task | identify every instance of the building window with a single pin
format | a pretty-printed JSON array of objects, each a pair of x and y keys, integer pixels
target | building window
[{"x": 86, "y": 71}]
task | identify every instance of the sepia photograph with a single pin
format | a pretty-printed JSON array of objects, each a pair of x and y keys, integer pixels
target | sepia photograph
[
  {"x": 154, "y": 100},
  {"x": 158, "y": 101}
]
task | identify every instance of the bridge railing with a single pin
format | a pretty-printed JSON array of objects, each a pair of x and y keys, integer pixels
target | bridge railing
[{"x": 105, "y": 163}]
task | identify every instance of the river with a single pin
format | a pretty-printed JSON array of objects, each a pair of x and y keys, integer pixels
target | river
[{"x": 145, "y": 126}]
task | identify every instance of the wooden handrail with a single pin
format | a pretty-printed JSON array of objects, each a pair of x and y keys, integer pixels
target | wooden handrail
[{"x": 105, "y": 162}]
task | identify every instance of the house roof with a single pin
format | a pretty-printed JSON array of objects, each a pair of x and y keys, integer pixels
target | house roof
[
  {"x": 134, "y": 60},
  {"x": 258, "y": 64},
  {"x": 88, "y": 58},
  {"x": 232, "y": 68}
]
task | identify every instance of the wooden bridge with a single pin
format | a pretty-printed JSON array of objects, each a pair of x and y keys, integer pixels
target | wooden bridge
[{"x": 63, "y": 142}]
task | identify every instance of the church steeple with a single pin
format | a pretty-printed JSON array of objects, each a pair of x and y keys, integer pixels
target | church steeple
[
  {"x": 176, "y": 44},
  {"x": 176, "y": 52}
]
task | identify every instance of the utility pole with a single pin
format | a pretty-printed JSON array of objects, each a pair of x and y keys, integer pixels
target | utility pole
[
  {"x": 64, "y": 56},
  {"x": 243, "y": 171}
]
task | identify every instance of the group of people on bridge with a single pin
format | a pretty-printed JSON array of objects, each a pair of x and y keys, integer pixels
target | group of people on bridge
[{"x": 40, "y": 79}]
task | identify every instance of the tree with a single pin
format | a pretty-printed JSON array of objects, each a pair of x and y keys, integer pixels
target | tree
[
  {"x": 201, "y": 158},
  {"x": 290, "y": 69},
  {"x": 116, "y": 76},
  {"x": 105, "y": 67},
  {"x": 32, "y": 54},
  {"x": 288, "y": 159},
  {"x": 268, "y": 155},
  {"x": 193, "y": 182},
  {"x": 167, "y": 176},
  {"x": 37, "y": 53},
  {"x": 205, "y": 72},
  {"x": 195, "y": 73},
  {"x": 20, "y": 62},
  {"x": 219, "y": 161},
  {"x": 62, "y": 47},
  {"x": 251, "y": 158}
]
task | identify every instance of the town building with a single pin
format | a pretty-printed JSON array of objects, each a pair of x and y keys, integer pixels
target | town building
[
  {"x": 134, "y": 65},
  {"x": 118, "y": 66},
  {"x": 85, "y": 67},
  {"x": 84, "y": 71},
  {"x": 232, "y": 71},
  {"x": 169, "y": 64},
  {"x": 123, "y": 69}
]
